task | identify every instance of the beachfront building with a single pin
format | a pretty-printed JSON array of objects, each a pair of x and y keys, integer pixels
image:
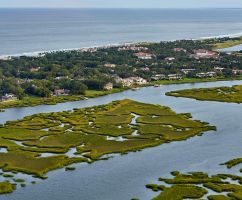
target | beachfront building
[{"x": 108, "y": 86}]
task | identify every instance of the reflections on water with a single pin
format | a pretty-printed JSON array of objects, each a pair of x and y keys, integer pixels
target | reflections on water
[{"x": 124, "y": 177}]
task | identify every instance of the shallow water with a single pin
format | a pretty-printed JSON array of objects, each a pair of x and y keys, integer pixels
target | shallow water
[{"x": 124, "y": 177}]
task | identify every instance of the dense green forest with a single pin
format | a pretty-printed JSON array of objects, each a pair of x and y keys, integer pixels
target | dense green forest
[{"x": 78, "y": 71}]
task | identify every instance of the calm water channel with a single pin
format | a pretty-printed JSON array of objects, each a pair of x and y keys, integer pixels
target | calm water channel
[{"x": 124, "y": 177}]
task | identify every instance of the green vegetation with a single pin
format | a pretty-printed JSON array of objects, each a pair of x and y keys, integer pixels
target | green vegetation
[
  {"x": 178, "y": 192},
  {"x": 233, "y": 162},
  {"x": 218, "y": 197},
  {"x": 70, "y": 168},
  {"x": 196, "y": 80},
  {"x": 6, "y": 187},
  {"x": 39, "y": 143},
  {"x": 8, "y": 175},
  {"x": 72, "y": 75},
  {"x": 195, "y": 186},
  {"x": 22, "y": 184},
  {"x": 52, "y": 100},
  {"x": 228, "y": 43},
  {"x": 223, "y": 94},
  {"x": 19, "y": 180}
]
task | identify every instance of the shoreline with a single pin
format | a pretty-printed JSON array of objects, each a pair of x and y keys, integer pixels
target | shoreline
[
  {"x": 54, "y": 100},
  {"x": 44, "y": 52},
  {"x": 37, "y": 101}
]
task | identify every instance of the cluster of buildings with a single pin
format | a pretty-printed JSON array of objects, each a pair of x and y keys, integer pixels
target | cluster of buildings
[
  {"x": 157, "y": 77},
  {"x": 132, "y": 47},
  {"x": 130, "y": 81},
  {"x": 204, "y": 53},
  {"x": 202, "y": 74}
]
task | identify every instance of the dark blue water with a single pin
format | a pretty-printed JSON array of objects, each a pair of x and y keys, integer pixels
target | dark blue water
[{"x": 30, "y": 30}]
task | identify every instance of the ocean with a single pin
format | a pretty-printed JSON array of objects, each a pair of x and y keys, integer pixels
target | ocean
[{"x": 36, "y": 30}]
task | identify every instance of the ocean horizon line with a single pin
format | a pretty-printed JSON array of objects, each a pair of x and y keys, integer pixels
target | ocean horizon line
[{"x": 128, "y": 8}]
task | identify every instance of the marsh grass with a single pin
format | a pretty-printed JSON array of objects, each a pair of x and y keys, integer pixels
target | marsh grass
[
  {"x": 195, "y": 185},
  {"x": 223, "y": 94},
  {"x": 94, "y": 132},
  {"x": 6, "y": 187}
]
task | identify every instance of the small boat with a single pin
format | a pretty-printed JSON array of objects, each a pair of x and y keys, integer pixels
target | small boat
[{"x": 85, "y": 98}]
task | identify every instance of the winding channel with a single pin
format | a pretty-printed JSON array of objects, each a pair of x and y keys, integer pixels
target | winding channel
[{"x": 124, "y": 177}]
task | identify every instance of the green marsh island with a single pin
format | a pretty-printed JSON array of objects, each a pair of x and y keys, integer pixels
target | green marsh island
[
  {"x": 198, "y": 185},
  {"x": 224, "y": 94},
  {"x": 43, "y": 142}
]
